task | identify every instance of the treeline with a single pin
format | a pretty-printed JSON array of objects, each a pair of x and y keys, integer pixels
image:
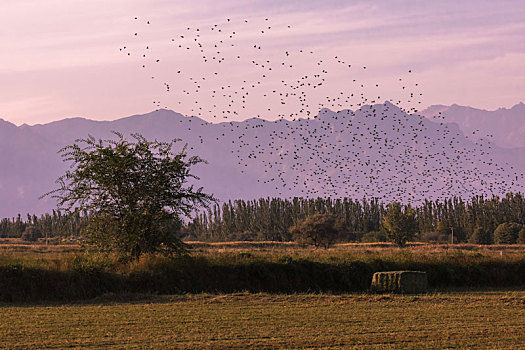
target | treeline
[
  {"x": 270, "y": 219},
  {"x": 480, "y": 220},
  {"x": 474, "y": 221},
  {"x": 51, "y": 225}
]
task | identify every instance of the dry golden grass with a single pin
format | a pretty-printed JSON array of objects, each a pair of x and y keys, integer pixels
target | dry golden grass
[
  {"x": 55, "y": 245},
  {"x": 15, "y": 251},
  {"x": 363, "y": 250}
]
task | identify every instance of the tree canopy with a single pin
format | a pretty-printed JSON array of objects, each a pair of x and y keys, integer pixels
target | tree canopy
[
  {"x": 318, "y": 229},
  {"x": 507, "y": 233},
  {"x": 400, "y": 223},
  {"x": 135, "y": 193}
]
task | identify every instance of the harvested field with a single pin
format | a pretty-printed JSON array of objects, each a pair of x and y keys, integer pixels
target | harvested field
[{"x": 481, "y": 320}]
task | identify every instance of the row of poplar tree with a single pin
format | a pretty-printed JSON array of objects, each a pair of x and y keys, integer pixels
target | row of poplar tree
[
  {"x": 270, "y": 219},
  {"x": 472, "y": 221},
  {"x": 51, "y": 225}
]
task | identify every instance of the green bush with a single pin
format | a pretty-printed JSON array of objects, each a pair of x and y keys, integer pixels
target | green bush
[
  {"x": 521, "y": 236},
  {"x": 319, "y": 230},
  {"x": 481, "y": 236},
  {"x": 31, "y": 234},
  {"x": 507, "y": 233}
]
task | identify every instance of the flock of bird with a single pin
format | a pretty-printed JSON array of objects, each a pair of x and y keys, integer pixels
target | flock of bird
[{"x": 241, "y": 68}]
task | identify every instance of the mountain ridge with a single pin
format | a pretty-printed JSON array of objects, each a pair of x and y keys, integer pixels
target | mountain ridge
[
  {"x": 504, "y": 126},
  {"x": 375, "y": 151}
]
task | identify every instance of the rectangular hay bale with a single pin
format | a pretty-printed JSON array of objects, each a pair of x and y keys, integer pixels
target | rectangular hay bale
[{"x": 410, "y": 282}]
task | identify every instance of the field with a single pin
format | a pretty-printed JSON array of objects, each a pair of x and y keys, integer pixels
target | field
[
  {"x": 261, "y": 295},
  {"x": 481, "y": 320},
  {"x": 30, "y": 273}
]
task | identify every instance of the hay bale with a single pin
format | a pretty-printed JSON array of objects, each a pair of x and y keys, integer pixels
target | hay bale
[{"x": 399, "y": 282}]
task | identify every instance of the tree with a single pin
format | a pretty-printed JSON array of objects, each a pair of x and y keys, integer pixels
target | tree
[
  {"x": 480, "y": 235},
  {"x": 442, "y": 228},
  {"x": 135, "y": 193},
  {"x": 318, "y": 230},
  {"x": 507, "y": 233},
  {"x": 31, "y": 234},
  {"x": 400, "y": 223},
  {"x": 521, "y": 236}
]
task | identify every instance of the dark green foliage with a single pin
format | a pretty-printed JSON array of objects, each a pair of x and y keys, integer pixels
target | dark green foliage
[
  {"x": 31, "y": 234},
  {"x": 507, "y": 233},
  {"x": 55, "y": 224},
  {"x": 521, "y": 236},
  {"x": 12, "y": 227},
  {"x": 319, "y": 230},
  {"x": 133, "y": 192},
  {"x": 442, "y": 228},
  {"x": 400, "y": 223},
  {"x": 481, "y": 235},
  {"x": 271, "y": 218}
]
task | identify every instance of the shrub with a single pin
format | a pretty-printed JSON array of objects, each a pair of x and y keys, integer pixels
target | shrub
[
  {"x": 400, "y": 223},
  {"x": 31, "y": 234},
  {"x": 521, "y": 236},
  {"x": 318, "y": 230},
  {"x": 507, "y": 233},
  {"x": 480, "y": 236}
]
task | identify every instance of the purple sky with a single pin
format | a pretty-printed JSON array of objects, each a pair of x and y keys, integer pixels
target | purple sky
[{"x": 61, "y": 58}]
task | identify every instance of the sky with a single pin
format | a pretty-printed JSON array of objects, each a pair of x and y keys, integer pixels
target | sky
[{"x": 82, "y": 58}]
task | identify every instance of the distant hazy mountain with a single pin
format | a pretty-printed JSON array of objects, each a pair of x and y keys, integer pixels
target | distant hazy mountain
[
  {"x": 505, "y": 127},
  {"x": 376, "y": 151}
]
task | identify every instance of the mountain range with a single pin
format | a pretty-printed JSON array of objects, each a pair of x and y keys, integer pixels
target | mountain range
[
  {"x": 504, "y": 126},
  {"x": 375, "y": 151}
]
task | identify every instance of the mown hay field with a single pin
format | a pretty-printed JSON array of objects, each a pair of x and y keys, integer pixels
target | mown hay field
[{"x": 481, "y": 320}]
